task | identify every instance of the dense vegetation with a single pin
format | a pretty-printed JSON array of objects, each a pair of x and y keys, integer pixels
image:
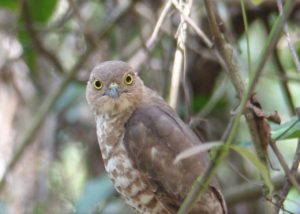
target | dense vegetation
[{"x": 230, "y": 68}]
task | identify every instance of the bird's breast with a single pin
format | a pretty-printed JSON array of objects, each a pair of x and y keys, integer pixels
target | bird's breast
[{"x": 126, "y": 179}]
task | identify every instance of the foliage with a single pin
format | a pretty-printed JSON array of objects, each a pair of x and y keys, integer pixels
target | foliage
[
  {"x": 287, "y": 130},
  {"x": 257, "y": 163},
  {"x": 48, "y": 48}
]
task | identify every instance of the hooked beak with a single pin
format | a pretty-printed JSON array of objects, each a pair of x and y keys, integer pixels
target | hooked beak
[{"x": 113, "y": 90}]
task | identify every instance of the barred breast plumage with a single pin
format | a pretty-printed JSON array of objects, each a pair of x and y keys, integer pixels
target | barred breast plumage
[{"x": 119, "y": 167}]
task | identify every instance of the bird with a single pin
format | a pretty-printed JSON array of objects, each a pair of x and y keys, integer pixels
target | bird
[{"x": 139, "y": 136}]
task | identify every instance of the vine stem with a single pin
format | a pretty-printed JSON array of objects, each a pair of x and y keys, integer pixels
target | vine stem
[{"x": 226, "y": 51}]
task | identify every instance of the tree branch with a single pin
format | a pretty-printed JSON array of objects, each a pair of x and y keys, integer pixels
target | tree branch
[
  {"x": 281, "y": 71},
  {"x": 158, "y": 24},
  {"x": 35, "y": 39},
  {"x": 89, "y": 35},
  {"x": 194, "y": 26},
  {"x": 52, "y": 98},
  {"x": 288, "y": 39},
  {"x": 287, "y": 185},
  {"x": 247, "y": 191},
  {"x": 226, "y": 52},
  {"x": 178, "y": 70}
]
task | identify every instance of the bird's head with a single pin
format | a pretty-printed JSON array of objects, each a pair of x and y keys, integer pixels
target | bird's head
[{"x": 113, "y": 87}]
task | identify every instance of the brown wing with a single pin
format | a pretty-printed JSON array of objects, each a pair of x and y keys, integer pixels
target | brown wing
[{"x": 154, "y": 136}]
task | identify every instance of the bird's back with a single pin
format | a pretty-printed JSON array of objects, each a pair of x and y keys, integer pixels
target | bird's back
[{"x": 154, "y": 136}]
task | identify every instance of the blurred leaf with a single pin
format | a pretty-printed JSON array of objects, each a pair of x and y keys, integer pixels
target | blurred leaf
[
  {"x": 113, "y": 42},
  {"x": 95, "y": 194},
  {"x": 68, "y": 173},
  {"x": 157, "y": 52},
  {"x": 247, "y": 154},
  {"x": 285, "y": 53},
  {"x": 287, "y": 130},
  {"x": 199, "y": 102},
  {"x": 40, "y": 208},
  {"x": 289, "y": 203},
  {"x": 29, "y": 53},
  {"x": 73, "y": 166},
  {"x": 41, "y": 10},
  {"x": 9, "y": 4},
  {"x": 257, "y": 2}
]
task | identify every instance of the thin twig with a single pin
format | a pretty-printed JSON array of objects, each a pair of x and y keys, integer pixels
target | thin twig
[
  {"x": 287, "y": 182},
  {"x": 286, "y": 130},
  {"x": 159, "y": 22},
  {"x": 26, "y": 13},
  {"x": 178, "y": 65},
  {"x": 271, "y": 42},
  {"x": 89, "y": 35},
  {"x": 247, "y": 191},
  {"x": 284, "y": 83},
  {"x": 280, "y": 69},
  {"x": 140, "y": 56},
  {"x": 226, "y": 52},
  {"x": 245, "y": 20},
  {"x": 200, "y": 33},
  {"x": 288, "y": 39},
  {"x": 284, "y": 165},
  {"x": 214, "y": 99},
  {"x": 190, "y": 44},
  {"x": 59, "y": 23},
  {"x": 239, "y": 173},
  {"x": 287, "y": 77}
]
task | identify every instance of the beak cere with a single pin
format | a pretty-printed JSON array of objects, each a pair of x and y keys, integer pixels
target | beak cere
[{"x": 113, "y": 90}]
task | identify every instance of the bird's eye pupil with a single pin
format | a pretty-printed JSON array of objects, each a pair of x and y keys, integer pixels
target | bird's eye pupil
[
  {"x": 128, "y": 79},
  {"x": 98, "y": 84}
]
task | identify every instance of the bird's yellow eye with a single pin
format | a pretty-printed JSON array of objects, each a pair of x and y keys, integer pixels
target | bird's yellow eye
[
  {"x": 128, "y": 79},
  {"x": 98, "y": 84}
]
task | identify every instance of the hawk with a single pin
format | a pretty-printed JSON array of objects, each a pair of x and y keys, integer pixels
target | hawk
[{"x": 139, "y": 136}]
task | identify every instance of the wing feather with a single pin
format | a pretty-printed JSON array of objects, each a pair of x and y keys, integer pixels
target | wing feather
[{"x": 154, "y": 137}]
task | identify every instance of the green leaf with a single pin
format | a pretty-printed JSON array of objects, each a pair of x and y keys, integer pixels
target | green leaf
[
  {"x": 9, "y": 4},
  {"x": 29, "y": 52},
  {"x": 257, "y": 2},
  {"x": 199, "y": 102},
  {"x": 41, "y": 10},
  {"x": 290, "y": 201},
  {"x": 287, "y": 130},
  {"x": 247, "y": 154}
]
